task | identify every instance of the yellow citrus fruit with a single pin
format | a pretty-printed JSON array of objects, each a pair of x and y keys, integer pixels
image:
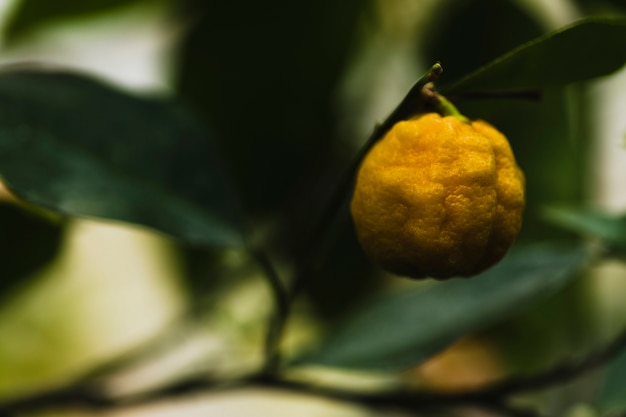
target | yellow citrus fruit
[{"x": 438, "y": 197}]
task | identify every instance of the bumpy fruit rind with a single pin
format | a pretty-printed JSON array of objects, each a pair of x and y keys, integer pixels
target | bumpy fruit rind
[{"x": 438, "y": 197}]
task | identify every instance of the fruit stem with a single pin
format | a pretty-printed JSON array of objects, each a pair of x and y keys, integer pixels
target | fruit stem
[
  {"x": 444, "y": 106},
  {"x": 448, "y": 109}
]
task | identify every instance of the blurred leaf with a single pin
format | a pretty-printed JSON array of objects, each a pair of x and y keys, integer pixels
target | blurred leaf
[
  {"x": 27, "y": 242},
  {"x": 81, "y": 148},
  {"x": 611, "y": 398},
  {"x": 590, "y": 48},
  {"x": 31, "y": 14},
  {"x": 405, "y": 329},
  {"x": 610, "y": 228}
]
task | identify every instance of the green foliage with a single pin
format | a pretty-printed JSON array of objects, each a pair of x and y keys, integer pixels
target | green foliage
[
  {"x": 404, "y": 329},
  {"x": 263, "y": 79},
  {"x": 586, "y": 49},
  {"x": 78, "y": 147}
]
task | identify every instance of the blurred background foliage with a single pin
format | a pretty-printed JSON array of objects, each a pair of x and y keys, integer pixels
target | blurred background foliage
[{"x": 291, "y": 90}]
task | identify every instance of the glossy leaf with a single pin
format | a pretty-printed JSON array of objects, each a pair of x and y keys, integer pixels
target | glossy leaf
[
  {"x": 406, "y": 328},
  {"x": 82, "y": 148},
  {"x": 590, "y": 48},
  {"x": 610, "y": 228}
]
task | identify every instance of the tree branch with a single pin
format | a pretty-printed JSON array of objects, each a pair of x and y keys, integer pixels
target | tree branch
[
  {"x": 531, "y": 95},
  {"x": 492, "y": 397},
  {"x": 95, "y": 398},
  {"x": 562, "y": 372}
]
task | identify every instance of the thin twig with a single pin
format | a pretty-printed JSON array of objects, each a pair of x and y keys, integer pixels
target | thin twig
[
  {"x": 531, "y": 95},
  {"x": 282, "y": 303}
]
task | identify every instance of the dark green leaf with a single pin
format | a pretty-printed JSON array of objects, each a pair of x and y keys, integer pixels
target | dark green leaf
[
  {"x": 405, "y": 329},
  {"x": 611, "y": 398},
  {"x": 590, "y": 48},
  {"x": 81, "y": 148},
  {"x": 610, "y": 228}
]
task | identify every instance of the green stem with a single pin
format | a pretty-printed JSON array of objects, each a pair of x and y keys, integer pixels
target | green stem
[
  {"x": 448, "y": 109},
  {"x": 442, "y": 104}
]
